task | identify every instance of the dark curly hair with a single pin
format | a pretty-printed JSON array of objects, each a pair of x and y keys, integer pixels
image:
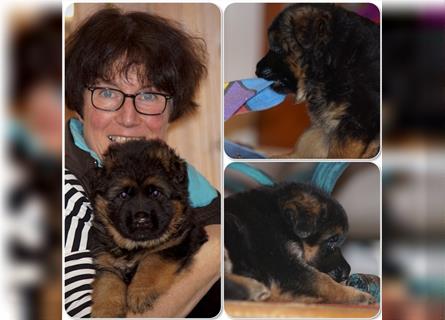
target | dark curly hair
[{"x": 111, "y": 42}]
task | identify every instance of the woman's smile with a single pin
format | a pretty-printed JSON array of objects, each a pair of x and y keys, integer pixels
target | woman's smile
[{"x": 121, "y": 139}]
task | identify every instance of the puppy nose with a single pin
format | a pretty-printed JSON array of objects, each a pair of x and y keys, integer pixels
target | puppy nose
[
  {"x": 141, "y": 217},
  {"x": 341, "y": 273},
  {"x": 344, "y": 272},
  {"x": 264, "y": 73},
  {"x": 263, "y": 67},
  {"x": 344, "y": 276},
  {"x": 146, "y": 219},
  {"x": 263, "y": 70}
]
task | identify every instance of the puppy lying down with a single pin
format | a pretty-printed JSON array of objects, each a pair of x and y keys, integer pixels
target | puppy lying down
[{"x": 282, "y": 243}]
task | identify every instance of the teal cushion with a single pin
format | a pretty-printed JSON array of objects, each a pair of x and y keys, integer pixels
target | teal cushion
[{"x": 200, "y": 190}]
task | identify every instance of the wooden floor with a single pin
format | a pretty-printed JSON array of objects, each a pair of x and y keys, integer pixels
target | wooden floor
[{"x": 294, "y": 310}]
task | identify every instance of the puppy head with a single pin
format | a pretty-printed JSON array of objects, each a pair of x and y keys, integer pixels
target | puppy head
[
  {"x": 310, "y": 43},
  {"x": 299, "y": 31},
  {"x": 320, "y": 224},
  {"x": 141, "y": 193}
]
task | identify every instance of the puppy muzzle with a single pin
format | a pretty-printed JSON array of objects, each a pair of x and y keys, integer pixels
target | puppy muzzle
[
  {"x": 264, "y": 67},
  {"x": 145, "y": 220},
  {"x": 146, "y": 224},
  {"x": 341, "y": 273},
  {"x": 272, "y": 67}
]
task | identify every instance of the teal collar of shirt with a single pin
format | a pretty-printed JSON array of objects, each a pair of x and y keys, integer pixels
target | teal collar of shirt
[{"x": 76, "y": 128}]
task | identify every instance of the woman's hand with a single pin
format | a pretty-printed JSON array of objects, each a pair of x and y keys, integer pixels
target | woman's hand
[{"x": 185, "y": 293}]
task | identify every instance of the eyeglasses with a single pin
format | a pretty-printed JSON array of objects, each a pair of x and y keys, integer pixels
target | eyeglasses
[{"x": 145, "y": 102}]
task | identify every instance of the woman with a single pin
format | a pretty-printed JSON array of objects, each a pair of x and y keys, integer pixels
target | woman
[{"x": 115, "y": 63}]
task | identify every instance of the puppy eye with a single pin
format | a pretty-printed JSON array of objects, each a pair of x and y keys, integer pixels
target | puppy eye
[
  {"x": 277, "y": 50},
  {"x": 126, "y": 193},
  {"x": 153, "y": 191}
]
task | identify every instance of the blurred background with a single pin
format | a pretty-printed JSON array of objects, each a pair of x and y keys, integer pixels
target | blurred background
[
  {"x": 273, "y": 131},
  {"x": 357, "y": 190},
  {"x": 32, "y": 173},
  {"x": 413, "y": 42}
]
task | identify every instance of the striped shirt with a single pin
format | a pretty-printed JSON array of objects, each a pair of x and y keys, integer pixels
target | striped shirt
[{"x": 79, "y": 269}]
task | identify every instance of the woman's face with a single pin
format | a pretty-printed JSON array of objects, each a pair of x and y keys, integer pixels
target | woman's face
[{"x": 101, "y": 128}]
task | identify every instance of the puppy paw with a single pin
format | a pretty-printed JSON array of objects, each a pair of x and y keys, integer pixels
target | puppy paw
[
  {"x": 108, "y": 311},
  {"x": 363, "y": 298},
  {"x": 366, "y": 298},
  {"x": 141, "y": 299},
  {"x": 108, "y": 296},
  {"x": 258, "y": 291}
]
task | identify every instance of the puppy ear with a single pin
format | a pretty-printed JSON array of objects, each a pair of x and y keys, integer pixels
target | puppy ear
[
  {"x": 110, "y": 154},
  {"x": 312, "y": 27},
  {"x": 174, "y": 166},
  {"x": 111, "y": 158},
  {"x": 96, "y": 182},
  {"x": 178, "y": 170}
]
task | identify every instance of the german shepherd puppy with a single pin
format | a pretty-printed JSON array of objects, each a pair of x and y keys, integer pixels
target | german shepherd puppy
[
  {"x": 282, "y": 243},
  {"x": 144, "y": 236},
  {"x": 330, "y": 58}
]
